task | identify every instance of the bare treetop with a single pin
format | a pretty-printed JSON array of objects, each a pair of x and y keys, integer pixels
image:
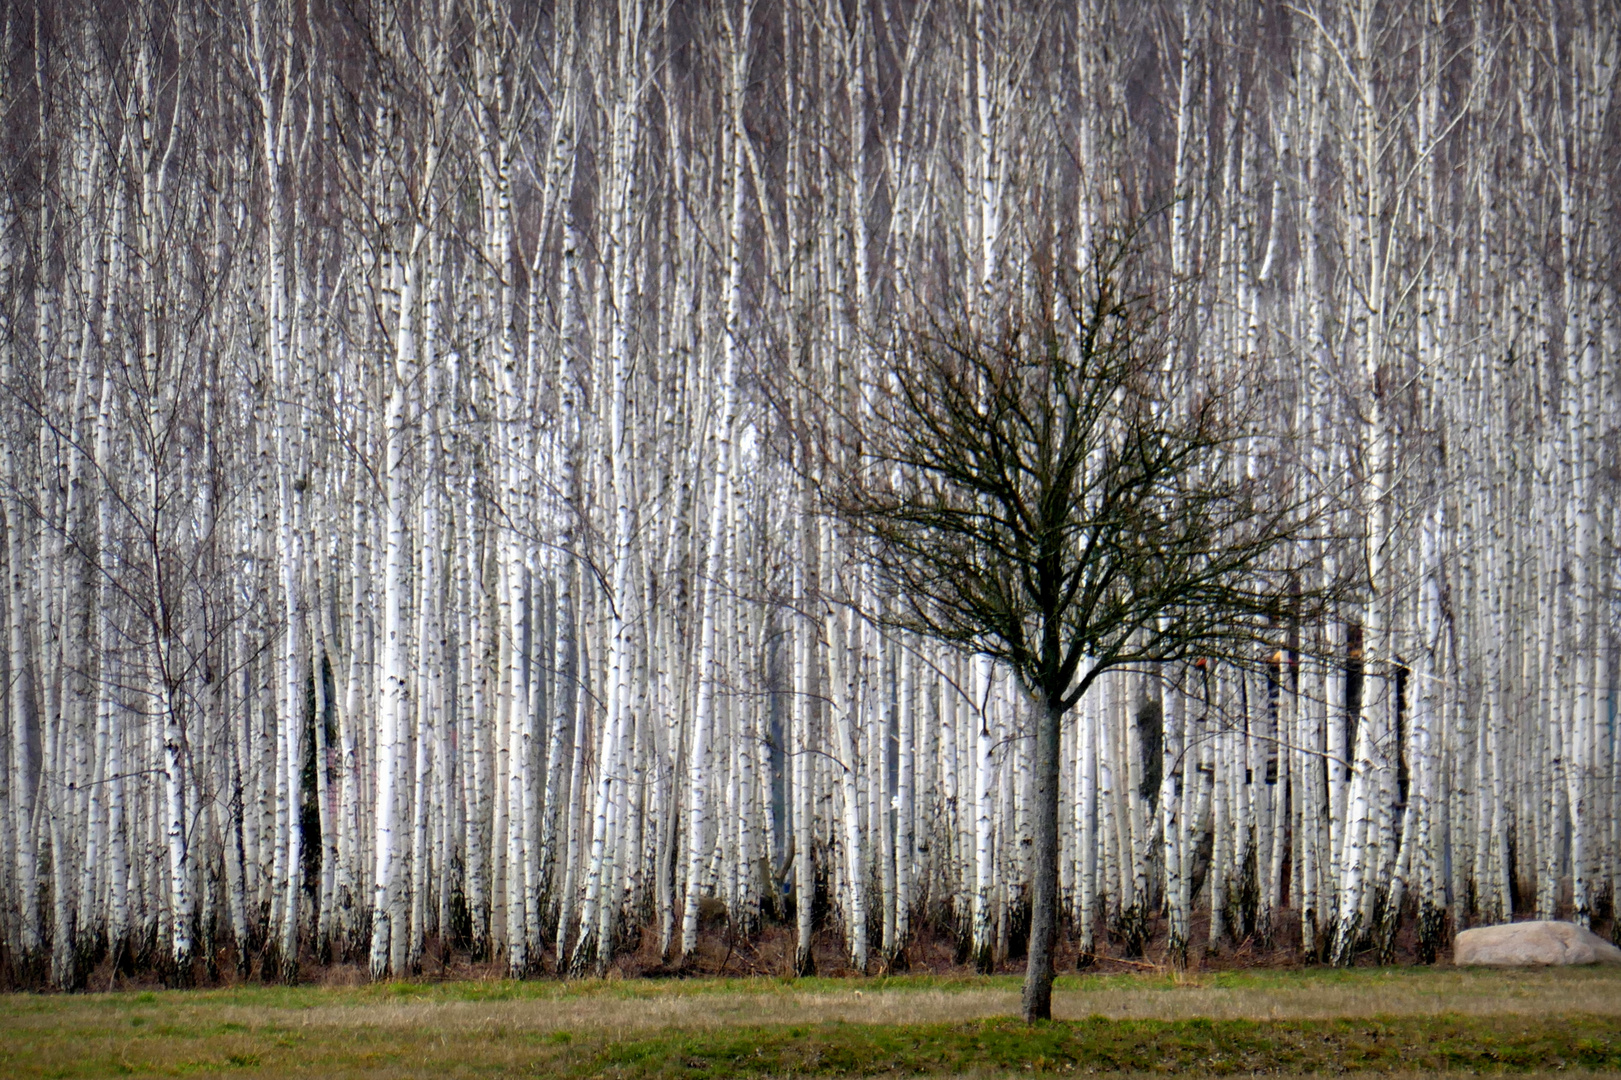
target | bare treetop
[{"x": 1051, "y": 493}]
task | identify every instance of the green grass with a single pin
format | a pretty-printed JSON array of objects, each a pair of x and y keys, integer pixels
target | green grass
[
  {"x": 1208, "y": 1047},
  {"x": 1133, "y": 1046},
  {"x": 1386, "y": 1021}
]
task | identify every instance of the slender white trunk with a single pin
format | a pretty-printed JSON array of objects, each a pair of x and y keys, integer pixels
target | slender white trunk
[
  {"x": 984, "y": 811},
  {"x": 905, "y": 780},
  {"x": 704, "y": 713}
]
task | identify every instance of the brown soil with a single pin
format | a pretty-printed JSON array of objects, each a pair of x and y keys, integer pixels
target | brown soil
[{"x": 770, "y": 953}]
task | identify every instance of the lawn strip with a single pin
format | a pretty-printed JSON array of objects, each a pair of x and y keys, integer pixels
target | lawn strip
[
  {"x": 160, "y": 1046},
  {"x": 1212, "y": 1047},
  {"x": 1439, "y": 1020}
]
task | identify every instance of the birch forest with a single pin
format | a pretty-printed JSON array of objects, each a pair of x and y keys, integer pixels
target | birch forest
[{"x": 414, "y": 414}]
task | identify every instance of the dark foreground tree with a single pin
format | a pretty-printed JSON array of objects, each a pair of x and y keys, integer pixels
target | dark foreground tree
[{"x": 1045, "y": 493}]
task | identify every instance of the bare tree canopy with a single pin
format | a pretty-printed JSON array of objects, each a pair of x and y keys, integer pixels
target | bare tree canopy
[{"x": 1056, "y": 495}]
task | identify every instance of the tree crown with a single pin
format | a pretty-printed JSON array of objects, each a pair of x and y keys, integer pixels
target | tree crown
[{"x": 1050, "y": 493}]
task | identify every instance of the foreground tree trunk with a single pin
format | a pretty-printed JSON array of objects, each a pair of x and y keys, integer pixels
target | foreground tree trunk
[{"x": 1038, "y": 973}]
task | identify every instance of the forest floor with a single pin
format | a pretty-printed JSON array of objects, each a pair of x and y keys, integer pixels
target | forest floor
[{"x": 1392, "y": 1021}]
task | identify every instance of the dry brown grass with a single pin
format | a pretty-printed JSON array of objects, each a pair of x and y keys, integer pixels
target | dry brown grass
[{"x": 1124, "y": 997}]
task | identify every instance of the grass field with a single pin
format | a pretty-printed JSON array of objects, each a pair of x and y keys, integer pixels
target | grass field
[{"x": 1397, "y": 1021}]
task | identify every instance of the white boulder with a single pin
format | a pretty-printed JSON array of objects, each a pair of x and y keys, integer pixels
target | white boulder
[{"x": 1531, "y": 944}]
